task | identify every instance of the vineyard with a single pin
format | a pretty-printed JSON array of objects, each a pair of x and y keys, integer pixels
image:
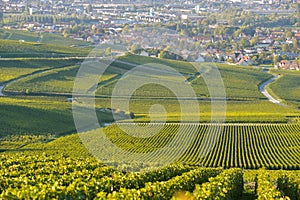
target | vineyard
[
  {"x": 240, "y": 83},
  {"x": 46, "y": 176},
  {"x": 253, "y": 154},
  {"x": 250, "y": 146},
  {"x": 11, "y": 69}
]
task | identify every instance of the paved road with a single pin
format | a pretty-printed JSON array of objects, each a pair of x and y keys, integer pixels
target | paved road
[
  {"x": 262, "y": 89},
  {"x": 1, "y": 90}
]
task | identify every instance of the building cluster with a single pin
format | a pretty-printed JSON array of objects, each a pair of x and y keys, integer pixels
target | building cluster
[{"x": 107, "y": 19}]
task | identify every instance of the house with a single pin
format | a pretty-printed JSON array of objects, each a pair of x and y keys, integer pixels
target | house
[
  {"x": 245, "y": 61},
  {"x": 288, "y": 65},
  {"x": 290, "y": 55},
  {"x": 237, "y": 56},
  {"x": 259, "y": 33},
  {"x": 251, "y": 52}
]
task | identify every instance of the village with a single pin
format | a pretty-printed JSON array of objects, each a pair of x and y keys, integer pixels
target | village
[{"x": 244, "y": 37}]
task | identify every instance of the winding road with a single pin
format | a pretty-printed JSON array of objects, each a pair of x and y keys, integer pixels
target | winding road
[
  {"x": 1, "y": 90},
  {"x": 263, "y": 90}
]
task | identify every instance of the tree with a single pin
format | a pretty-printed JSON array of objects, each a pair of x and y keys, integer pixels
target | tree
[
  {"x": 163, "y": 54},
  {"x": 230, "y": 60},
  {"x": 66, "y": 32},
  {"x": 262, "y": 57},
  {"x": 183, "y": 32},
  {"x": 178, "y": 27},
  {"x": 125, "y": 28},
  {"x": 254, "y": 59},
  {"x": 295, "y": 45},
  {"x": 237, "y": 32},
  {"x": 1, "y": 16},
  {"x": 107, "y": 51},
  {"x": 133, "y": 7},
  {"x": 244, "y": 43},
  {"x": 276, "y": 59},
  {"x": 136, "y": 49},
  {"x": 89, "y": 8},
  {"x": 288, "y": 35},
  {"x": 254, "y": 41},
  {"x": 285, "y": 48}
]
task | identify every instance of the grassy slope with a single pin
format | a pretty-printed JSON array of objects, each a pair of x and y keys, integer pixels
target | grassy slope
[
  {"x": 55, "y": 81},
  {"x": 11, "y": 69},
  {"x": 240, "y": 82},
  {"x": 36, "y": 116},
  {"x": 25, "y": 115},
  {"x": 10, "y": 48},
  {"x": 19, "y": 35}
]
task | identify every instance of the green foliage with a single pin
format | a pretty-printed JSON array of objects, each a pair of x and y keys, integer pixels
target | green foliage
[
  {"x": 166, "y": 189},
  {"x": 63, "y": 169},
  {"x": 266, "y": 190},
  {"x": 240, "y": 83},
  {"x": 289, "y": 184},
  {"x": 46, "y": 176},
  {"x": 227, "y": 185}
]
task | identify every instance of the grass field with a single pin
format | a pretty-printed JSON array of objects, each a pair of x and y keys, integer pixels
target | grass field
[{"x": 37, "y": 115}]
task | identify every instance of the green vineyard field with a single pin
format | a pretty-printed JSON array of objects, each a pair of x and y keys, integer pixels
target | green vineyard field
[
  {"x": 253, "y": 154},
  {"x": 239, "y": 83},
  {"x": 250, "y": 146},
  {"x": 46, "y": 176}
]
